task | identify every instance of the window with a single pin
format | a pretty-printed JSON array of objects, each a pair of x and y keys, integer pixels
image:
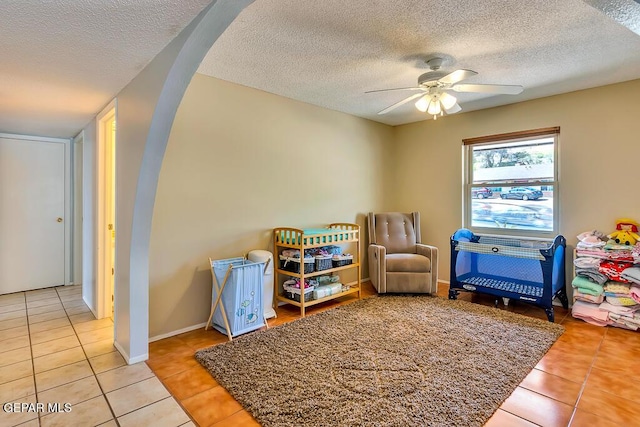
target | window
[{"x": 511, "y": 183}]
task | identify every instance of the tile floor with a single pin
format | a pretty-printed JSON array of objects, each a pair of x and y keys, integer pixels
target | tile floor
[
  {"x": 589, "y": 377},
  {"x": 53, "y": 350}
]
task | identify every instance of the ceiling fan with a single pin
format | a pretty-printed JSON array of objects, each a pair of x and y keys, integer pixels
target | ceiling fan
[{"x": 433, "y": 87}]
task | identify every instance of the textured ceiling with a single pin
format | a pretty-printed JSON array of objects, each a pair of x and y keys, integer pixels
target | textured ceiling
[
  {"x": 64, "y": 60},
  {"x": 328, "y": 53}
]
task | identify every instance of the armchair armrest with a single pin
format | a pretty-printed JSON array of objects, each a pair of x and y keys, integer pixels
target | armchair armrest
[
  {"x": 378, "y": 267},
  {"x": 430, "y": 252},
  {"x": 426, "y": 250}
]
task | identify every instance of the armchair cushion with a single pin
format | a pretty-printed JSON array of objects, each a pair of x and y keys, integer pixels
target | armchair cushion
[
  {"x": 398, "y": 261},
  {"x": 408, "y": 263},
  {"x": 395, "y": 231}
]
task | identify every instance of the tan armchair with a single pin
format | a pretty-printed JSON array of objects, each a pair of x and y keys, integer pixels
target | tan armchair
[{"x": 398, "y": 261}]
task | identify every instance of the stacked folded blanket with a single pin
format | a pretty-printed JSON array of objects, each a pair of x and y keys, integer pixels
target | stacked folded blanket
[
  {"x": 618, "y": 309},
  {"x": 616, "y": 289},
  {"x": 586, "y": 286},
  {"x": 587, "y": 262},
  {"x": 592, "y": 274},
  {"x": 631, "y": 274},
  {"x": 580, "y": 296},
  {"x": 626, "y": 322},
  {"x": 613, "y": 270},
  {"x": 590, "y": 313},
  {"x": 623, "y": 301},
  {"x": 606, "y": 288}
]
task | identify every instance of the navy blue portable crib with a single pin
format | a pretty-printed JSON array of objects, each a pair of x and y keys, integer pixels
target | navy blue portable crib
[{"x": 523, "y": 270}]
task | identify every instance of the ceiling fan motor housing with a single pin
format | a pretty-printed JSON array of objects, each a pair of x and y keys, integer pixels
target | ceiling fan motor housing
[{"x": 430, "y": 78}]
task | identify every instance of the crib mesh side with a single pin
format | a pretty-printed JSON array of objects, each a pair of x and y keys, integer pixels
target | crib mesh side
[
  {"x": 521, "y": 275},
  {"x": 516, "y": 243},
  {"x": 510, "y": 248}
]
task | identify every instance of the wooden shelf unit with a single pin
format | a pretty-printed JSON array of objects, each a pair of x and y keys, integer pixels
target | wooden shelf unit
[{"x": 294, "y": 238}]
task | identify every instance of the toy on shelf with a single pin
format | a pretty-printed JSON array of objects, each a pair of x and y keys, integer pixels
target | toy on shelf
[{"x": 626, "y": 232}]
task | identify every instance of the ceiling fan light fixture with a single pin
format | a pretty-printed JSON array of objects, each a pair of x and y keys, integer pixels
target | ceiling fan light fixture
[
  {"x": 447, "y": 100},
  {"x": 434, "y": 106},
  {"x": 423, "y": 103},
  {"x": 454, "y": 109},
  {"x": 434, "y": 86}
]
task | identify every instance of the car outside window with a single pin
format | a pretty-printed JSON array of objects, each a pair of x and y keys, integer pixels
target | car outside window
[{"x": 511, "y": 183}]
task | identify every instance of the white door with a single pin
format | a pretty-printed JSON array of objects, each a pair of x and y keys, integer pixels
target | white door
[{"x": 32, "y": 223}]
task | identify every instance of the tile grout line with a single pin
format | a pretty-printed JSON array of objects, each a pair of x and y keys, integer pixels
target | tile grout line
[
  {"x": 607, "y": 329},
  {"x": 115, "y": 419},
  {"x": 119, "y": 388},
  {"x": 516, "y": 415},
  {"x": 586, "y": 378},
  {"x": 86, "y": 358},
  {"x": 179, "y": 401},
  {"x": 33, "y": 365}
]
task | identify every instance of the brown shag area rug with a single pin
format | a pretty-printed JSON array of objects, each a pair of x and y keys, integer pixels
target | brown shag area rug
[{"x": 383, "y": 361}]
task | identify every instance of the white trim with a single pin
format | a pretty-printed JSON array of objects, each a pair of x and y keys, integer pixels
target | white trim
[
  {"x": 102, "y": 291},
  {"x": 68, "y": 211},
  {"x": 178, "y": 332},
  {"x": 33, "y": 138},
  {"x": 129, "y": 360},
  {"x": 90, "y": 308},
  {"x": 77, "y": 172},
  {"x": 444, "y": 281}
]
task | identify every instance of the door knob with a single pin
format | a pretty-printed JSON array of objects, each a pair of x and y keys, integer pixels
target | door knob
[{"x": 59, "y": 219}]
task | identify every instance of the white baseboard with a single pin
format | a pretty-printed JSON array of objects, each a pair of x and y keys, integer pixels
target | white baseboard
[
  {"x": 130, "y": 360},
  {"x": 178, "y": 332},
  {"x": 444, "y": 281},
  {"x": 89, "y": 306}
]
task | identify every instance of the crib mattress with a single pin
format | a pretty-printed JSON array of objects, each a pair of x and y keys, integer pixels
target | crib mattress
[{"x": 501, "y": 285}]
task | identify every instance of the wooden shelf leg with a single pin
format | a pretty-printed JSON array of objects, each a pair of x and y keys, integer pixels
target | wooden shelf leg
[{"x": 219, "y": 301}]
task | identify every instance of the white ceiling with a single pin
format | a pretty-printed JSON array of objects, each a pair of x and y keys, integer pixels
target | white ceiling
[
  {"x": 64, "y": 60},
  {"x": 330, "y": 52}
]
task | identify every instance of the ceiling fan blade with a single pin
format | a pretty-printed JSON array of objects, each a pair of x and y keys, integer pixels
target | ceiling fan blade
[
  {"x": 453, "y": 109},
  {"x": 398, "y": 88},
  {"x": 457, "y": 76},
  {"x": 404, "y": 101},
  {"x": 502, "y": 89}
]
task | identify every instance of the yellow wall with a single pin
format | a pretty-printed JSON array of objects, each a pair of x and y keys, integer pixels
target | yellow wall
[
  {"x": 599, "y": 154},
  {"x": 240, "y": 162}
]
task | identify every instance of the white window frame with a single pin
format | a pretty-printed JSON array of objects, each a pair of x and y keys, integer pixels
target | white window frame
[{"x": 507, "y": 138}]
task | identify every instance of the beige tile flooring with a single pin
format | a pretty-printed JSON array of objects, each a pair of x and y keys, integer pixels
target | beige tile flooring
[{"x": 53, "y": 350}]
